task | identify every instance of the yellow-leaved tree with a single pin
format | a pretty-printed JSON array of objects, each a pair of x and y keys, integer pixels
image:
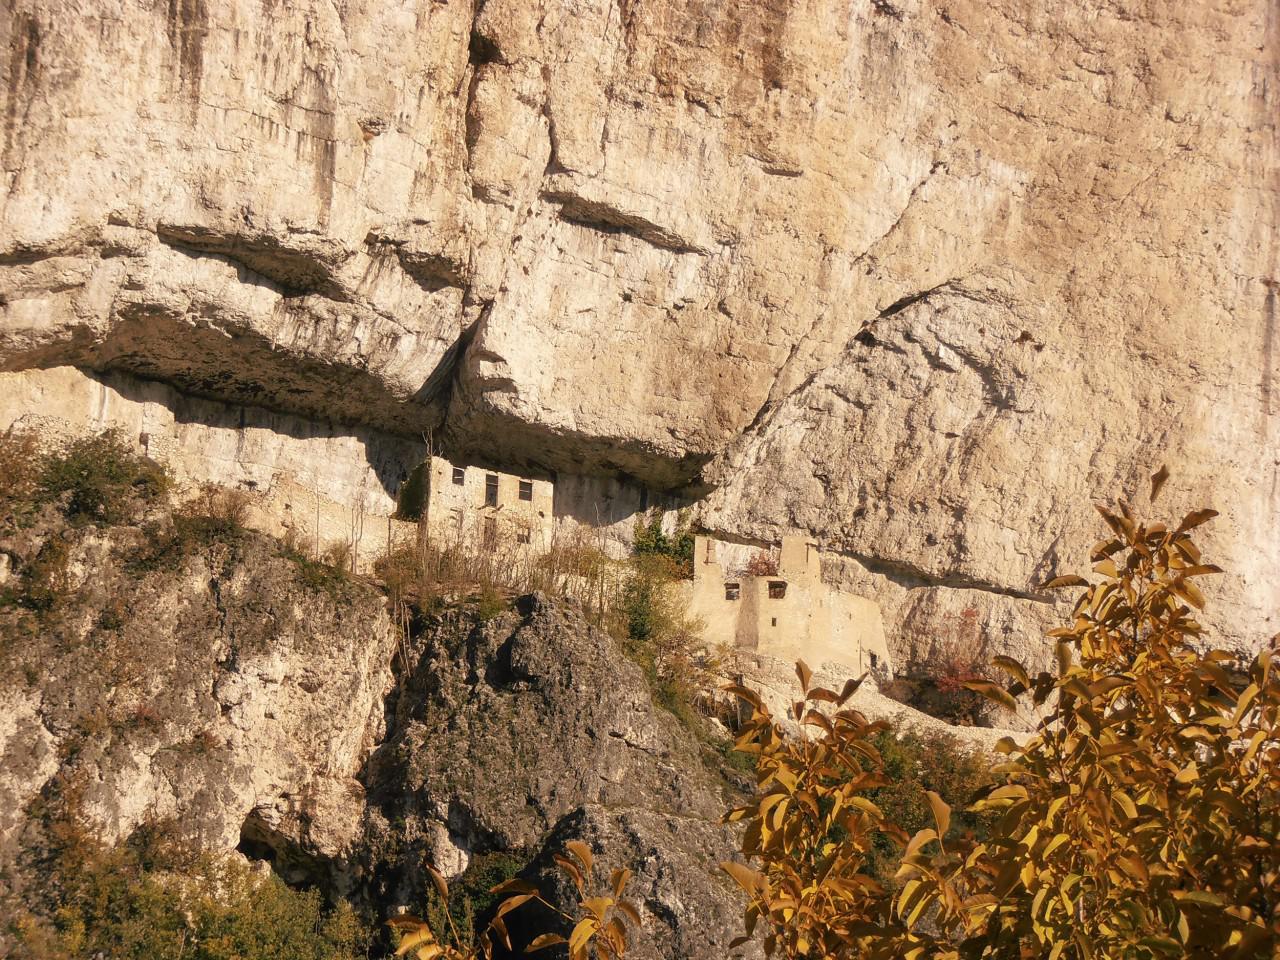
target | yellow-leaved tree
[{"x": 1141, "y": 820}]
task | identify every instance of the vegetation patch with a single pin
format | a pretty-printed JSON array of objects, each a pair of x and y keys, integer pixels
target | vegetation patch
[
  {"x": 212, "y": 520},
  {"x": 327, "y": 575},
  {"x": 100, "y": 480},
  {"x": 465, "y": 905}
]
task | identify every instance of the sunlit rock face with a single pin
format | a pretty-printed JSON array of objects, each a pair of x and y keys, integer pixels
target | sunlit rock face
[{"x": 920, "y": 279}]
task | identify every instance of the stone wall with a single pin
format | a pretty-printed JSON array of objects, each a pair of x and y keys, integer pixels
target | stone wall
[
  {"x": 320, "y": 485},
  {"x": 479, "y": 509},
  {"x": 792, "y": 615}
]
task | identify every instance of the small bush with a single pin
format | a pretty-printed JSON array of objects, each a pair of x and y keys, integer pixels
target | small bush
[
  {"x": 490, "y": 603},
  {"x": 215, "y": 911},
  {"x": 471, "y": 896},
  {"x": 19, "y": 478},
  {"x": 652, "y": 624},
  {"x": 100, "y": 480},
  {"x": 915, "y": 764},
  {"x": 651, "y": 540},
  {"x": 44, "y": 582},
  {"x": 215, "y": 516},
  {"x": 320, "y": 576}
]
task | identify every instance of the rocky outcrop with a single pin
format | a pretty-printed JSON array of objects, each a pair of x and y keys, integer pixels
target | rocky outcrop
[
  {"x": 520, "y": 732},
  {"x": 920, "y": 278},
  {"x": 252, "y": 700},
  {"x": 228, "y": 690}
]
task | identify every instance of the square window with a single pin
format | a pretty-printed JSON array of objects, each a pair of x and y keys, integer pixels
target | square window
[
  {"x": 490, "y": 533},
  {"x": 731, "y": 591},
  {"x": 459, "y": 475},
  {"x": 491, "y": 490},
  {"x": 522, "y": 535},
  {"x": 526, "y": 489},
  {"x": 777, "y": 589}
]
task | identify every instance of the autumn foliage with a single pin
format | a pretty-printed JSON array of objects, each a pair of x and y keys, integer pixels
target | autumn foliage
[
  {"x": 598, "y": 927},
  {"x": 1142, "y": 819}
]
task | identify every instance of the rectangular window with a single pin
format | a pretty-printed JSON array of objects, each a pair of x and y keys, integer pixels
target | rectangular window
[
  {"x": 526, "y": 489},
  {"x": 773, "y": 621},
  {"x": 459, "y": 475},
  {"x": 777, "y": 589},
  {"x": 731, "y": 591},
  {"x": 491, "y": 490},
  {"x": 522, "y": 535},
  {"x": 490, "y": 533}
]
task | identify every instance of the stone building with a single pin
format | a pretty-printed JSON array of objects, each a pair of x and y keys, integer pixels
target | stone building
[
  {"x": 791, "y": 614},
  {"x": 484, "y": 509}
]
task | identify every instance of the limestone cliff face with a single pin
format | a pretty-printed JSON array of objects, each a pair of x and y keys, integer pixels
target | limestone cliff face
[{"x": 920, "y": 278}]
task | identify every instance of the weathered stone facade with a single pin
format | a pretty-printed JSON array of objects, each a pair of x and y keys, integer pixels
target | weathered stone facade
[
  {"x": 787, "y": 615},
  {"x": 476, "y": 508}
]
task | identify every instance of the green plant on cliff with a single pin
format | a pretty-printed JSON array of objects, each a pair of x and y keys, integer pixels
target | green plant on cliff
[
  {"x": 19, "y": 479},
  {"x": 652, "y": 623},
  {"x": 651, "y": 539},
  {"x": 100, "y": 479},
  {"x": 915, "y": 764},
  {"x": 151, "y": 898},
  {"x": 597, "y": 927}
]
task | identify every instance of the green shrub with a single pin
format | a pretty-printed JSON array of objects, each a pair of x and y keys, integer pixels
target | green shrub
[
  {"x": 19, "y": 478},
  {"x": 914, "y": 764},
  {"x": 320, "y": 576},
  {"x": 152, "y": 899},
  {"x": 100, "y": 480},
  {"x": 215, "y": 516},
  {"x": 471, "y": 896},
  {"x": 43, "y": 583},
  {"x": 651, "y": 540},
  {"x": 490, "y": 603},
  {"x": 655, "y": 631}
]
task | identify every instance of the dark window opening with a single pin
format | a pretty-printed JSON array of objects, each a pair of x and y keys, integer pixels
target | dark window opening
[
  {"x": 522, "y": 535},
  {"x": 777, "y": 589},
  {"x": 526, "y": 489},
  {"x": 731, "y": 591},
  {"x": 491, "y": 490},
  {"x": 412, "y": 496},
  {"x": 459, "y": 475},
  {"x": 773, "y": 621},
  {"x": 875, "y": 661},
  {"x": 490, "y": 533}
]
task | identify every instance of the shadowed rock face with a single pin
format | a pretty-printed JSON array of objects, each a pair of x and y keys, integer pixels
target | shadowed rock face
[
  {"x": 524, "y": 731},
  {"x": 918, "y": 278}
]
